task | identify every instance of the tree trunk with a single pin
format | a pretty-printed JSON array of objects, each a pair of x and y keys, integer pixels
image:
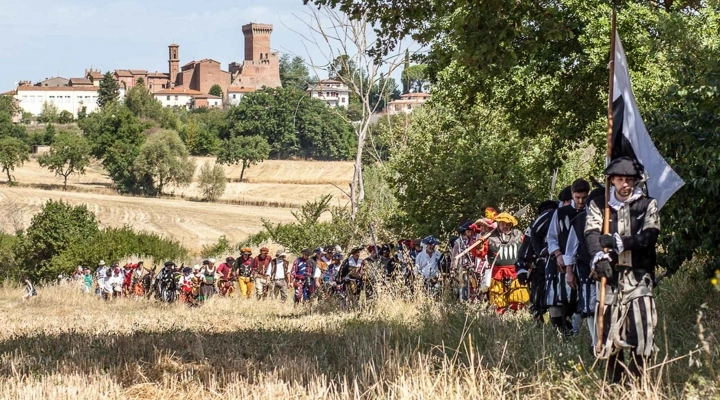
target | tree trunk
[
  {"x": 242, "y": 171},
  {"x": 8, "y": 175},
  {"x": 65, "y": 182}
]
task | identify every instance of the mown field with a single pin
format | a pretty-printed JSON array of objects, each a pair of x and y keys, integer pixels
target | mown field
[
  {"x": 63, "y": 344},
  {"x": 271, "y": 190}
]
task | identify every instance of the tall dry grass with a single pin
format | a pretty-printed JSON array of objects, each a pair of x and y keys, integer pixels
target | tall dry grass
[{"x": 63, "y": 344}]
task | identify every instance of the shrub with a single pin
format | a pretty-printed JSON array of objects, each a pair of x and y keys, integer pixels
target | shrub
[{"x": 211, "y": 181}]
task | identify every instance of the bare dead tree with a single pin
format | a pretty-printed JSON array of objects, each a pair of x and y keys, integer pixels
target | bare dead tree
[{"x": 344, "y": 44}]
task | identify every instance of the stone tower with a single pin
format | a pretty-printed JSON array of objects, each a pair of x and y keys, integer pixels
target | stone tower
[
  {"x": 257, "y": 41},
  {"x": 173, "y": 63}
]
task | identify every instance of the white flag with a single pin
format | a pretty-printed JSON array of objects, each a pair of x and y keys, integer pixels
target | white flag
[{"x": 631, "y": 138}]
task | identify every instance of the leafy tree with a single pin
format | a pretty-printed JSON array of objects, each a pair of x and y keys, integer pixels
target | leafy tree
[
  {"x": 198, "y": 139},
  {"x": 13, "y": 153},
  {"x": 8, "y": 108},
  {"x": 48, "y": 113},
  {"x": 65, "y": 117},
  {"x": 162, "y": 160},
  {"x": 26, "y": 118},
  {"x": 82, "y": 113},
  {"x": 243, "y": 150},
  {"x": 416, "y": 78},
  {"x": 293, "y": 124},
  {"x": 56, "y": 227},
  {"x": 48, "y": 135},
  {"x": 8, "y": 105},
  {"x": 211, "y": 181},
  {"x": 115, "y": 135},
  {"x": 216, "y": 90},
  {"x": 109, "y": 90},
  {"x": 294, "y": 72},
  {"x": 69, "y": 154}
]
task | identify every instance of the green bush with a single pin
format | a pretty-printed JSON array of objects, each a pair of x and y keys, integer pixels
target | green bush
[{"x": 219, "y": 249}]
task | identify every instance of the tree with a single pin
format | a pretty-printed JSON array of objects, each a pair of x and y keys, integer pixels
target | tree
[
  {"x": 162, "y": 160},
  {"x": 416, "y": 78},
  {"x": 65, "y": 117},
  {"x": 109, "y": 90},
  {"x": 48, "y": 113},
  {"x": 216, "y": 90},
  {"x": 294, "y": 72},
  {"x": 198, "y": 139},
  {"x": 13, "y": 153},
  {"x": 82, "y": 113},
  {"x": 56, "y": 227},
  {"x": 243, "y": 150},
  {"x": 211, "y": 181},
  {"x": 115, "y": 135},
  {"x": 69, "y": 154}
]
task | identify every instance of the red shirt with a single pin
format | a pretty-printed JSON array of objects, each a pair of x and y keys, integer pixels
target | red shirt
[{"x": 224, "y": 270}]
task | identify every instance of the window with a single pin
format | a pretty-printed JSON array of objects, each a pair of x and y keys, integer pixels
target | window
[
  {"x": 233, "y": 96},
  {"x": 67, "y": 99},
  {"x": 176, "y": 98},
  {"x": 409, "y": 107},
  {"x": 168, "y": 97},
  {"x": 342, "y": 100}
]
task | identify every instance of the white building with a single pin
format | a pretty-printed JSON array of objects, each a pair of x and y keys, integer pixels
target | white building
[
  {"x": 333, "y": 93},
  {"x": 407, "y": 103},
  {"x": 65, "y": 98},
  {"x": 235, "y": 94},
  {"x": 176, "y": 97}
]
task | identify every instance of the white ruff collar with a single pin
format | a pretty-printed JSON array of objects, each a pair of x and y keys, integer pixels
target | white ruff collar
[{"x": 617, "y": 204}]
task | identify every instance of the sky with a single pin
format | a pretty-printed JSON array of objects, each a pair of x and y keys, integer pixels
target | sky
[{"x": 45, "y": 38}]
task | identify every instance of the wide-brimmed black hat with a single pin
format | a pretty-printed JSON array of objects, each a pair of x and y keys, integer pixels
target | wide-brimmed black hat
[
  {"x": 547, "y": 205},
  {"x": 356, "y": 249},
  {"x": 565, "y": 194},
  {"x": 624, "y": 166}
]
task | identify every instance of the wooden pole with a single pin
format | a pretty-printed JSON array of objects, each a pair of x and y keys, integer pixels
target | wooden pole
[{"x": 608, "y": 155}]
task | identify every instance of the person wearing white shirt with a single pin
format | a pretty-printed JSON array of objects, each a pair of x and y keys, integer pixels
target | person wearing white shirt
[
  {"x": 427, "y": 262},
  {"x": 277, "y": 273}
]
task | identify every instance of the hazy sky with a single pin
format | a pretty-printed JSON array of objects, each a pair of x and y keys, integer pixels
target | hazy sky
[{"x": 44, "y": 38}]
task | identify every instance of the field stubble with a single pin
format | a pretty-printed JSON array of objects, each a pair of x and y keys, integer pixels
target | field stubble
[{"x": 63, "y": 344}]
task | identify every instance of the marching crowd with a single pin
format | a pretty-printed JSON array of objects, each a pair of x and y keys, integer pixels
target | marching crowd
[{"x": 559, "y": 266}]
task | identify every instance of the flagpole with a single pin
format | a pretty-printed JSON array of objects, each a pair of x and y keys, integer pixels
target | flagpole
[{"x": 608, "y": 155}]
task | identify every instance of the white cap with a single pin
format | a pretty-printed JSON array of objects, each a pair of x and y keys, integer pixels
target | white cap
[
  {"x": 101, "y": 263},
  {"x": 196, "y": 267},
  {"x": 212, "y": 260}
]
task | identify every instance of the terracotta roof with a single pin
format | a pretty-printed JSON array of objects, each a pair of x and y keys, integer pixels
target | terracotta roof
[
  {"x": 190, "y": 63},
  {"x": 138, "y": 72},
  {"x": 174, "y": 45},
  {"x": 95, "y": 75},
  {"x": 206, "y": 96},
  {"x": 406, "y": 95},
  {"x": 123, "y": 73},
  {"x": 179, "y": 91},
  {"x": 80, "y": 81},
  {"x": 57, "y": 89},
  {"x": 158, "y": 75},
  {"x": 249, "y": 89}
]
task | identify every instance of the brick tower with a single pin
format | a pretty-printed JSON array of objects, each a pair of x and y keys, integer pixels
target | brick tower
[
  {"x": 173, "y": 63},
  {"x": 257, "y": 41}
]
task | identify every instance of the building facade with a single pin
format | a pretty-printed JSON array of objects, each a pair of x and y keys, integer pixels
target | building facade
[
  {"x": 333, "y": 93},
  {"x": 66, "y": 98},
  {"x": 55, "y": 81},
  {"x": 407, "y": 103},
  {"x": 261, "y": 66}
]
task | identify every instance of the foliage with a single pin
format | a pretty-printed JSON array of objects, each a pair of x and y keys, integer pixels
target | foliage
[
  {"x": 212, "y": 181},
  {"x": 109, "y": 90},
  {"x": 9, "y": 108},
  {"x": 141, "y": 102},
  {"x": 217, "y": 249},
  {"x": 13, "y": 153},
  {"x": 65, "y": 117},
  {"x": 26, "y": 118},
  {"x": 243, "y": 150},
  {"x": 216, "y": 90},
  {"x": 115, "y": 135},
  {"x": 53, "y": 230},
  {"x": 162, "y": 160},
  {"x": 416, "y": 77},
  {"x": 293, "y": 124},
  {"x": 294, "y": 72},
  {"x": 8, "y": 260},
  {"x": 454, "y": 166},
  {"x": 48, "y": 113},
  {"x": 82, "y": 113},
  {"x": 116, "y": 244},
  {"x": 199, "y": 139},
  {"x": 69, "y": 154}
]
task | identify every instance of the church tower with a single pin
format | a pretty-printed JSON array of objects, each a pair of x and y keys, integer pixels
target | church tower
[{"x": 174, "y": 63}]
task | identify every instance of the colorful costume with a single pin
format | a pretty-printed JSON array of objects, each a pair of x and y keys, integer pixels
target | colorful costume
[{"x": 505, "y": 290}]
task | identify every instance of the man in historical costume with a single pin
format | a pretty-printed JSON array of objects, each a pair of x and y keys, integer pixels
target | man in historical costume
[
  {"x": 561, "y": 298},
  {"x": 532, "y": 257},
  {"x": 244, "y": 272},
  {"x": 578, "y": 272},
  {"x": 387, "y": 261},
  {"x": 427, "y": 264},
  {"x": 277, "y": 272},
  {"x": 330, "y": 276},
  {"x": 350, "y": 277},
  {"x": 462, "y": 268},
  {"x": 207, "y": 288},
  {"x": 629, "y": 317},
  {"x": 503, "y": 246},
  {"x": 304, "y": 277},
  {"x": 185, "y": 284},
  {"x": 262, "y": 281},
  {"x": 565, "y": 196},
  {"x": 225, "y": 277},
  {"x": 483, "y": 271}
]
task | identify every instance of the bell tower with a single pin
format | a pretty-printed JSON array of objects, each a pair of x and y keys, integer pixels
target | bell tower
[
  {"x": 257, "y": 41},
  {"x": 173, "y": 63}
]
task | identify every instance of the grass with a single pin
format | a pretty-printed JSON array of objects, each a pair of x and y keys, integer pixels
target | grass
[{"x": 63, "y": 344}]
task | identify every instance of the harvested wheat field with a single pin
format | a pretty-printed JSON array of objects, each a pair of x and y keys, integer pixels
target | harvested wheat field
[
  {"x": 63, "y": 344},
  {"x": 272, "y": 190}
]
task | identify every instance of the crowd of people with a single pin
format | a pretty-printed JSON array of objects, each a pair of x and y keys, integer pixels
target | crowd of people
[{"x": 558, "y": 266}]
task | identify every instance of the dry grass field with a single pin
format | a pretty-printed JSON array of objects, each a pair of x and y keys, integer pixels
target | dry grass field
[
  {"x": 272, "y": 190},
  {"x": 66, "y": 345}
]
